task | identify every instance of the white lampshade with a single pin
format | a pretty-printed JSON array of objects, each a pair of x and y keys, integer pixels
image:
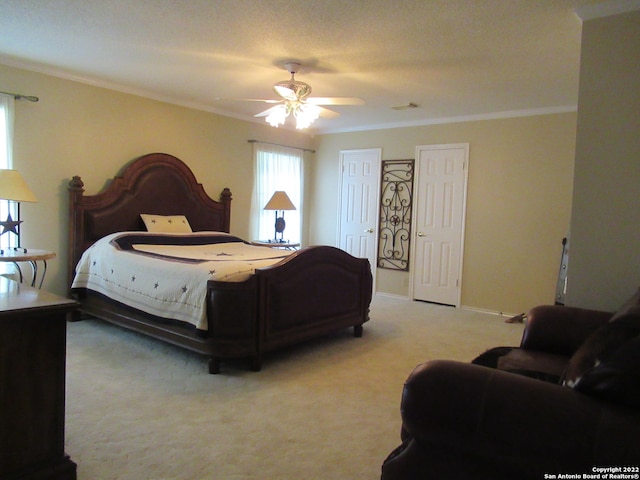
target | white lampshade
[
  {"x": 13, "y": 187},
  {"x": 280, "y": 201}
]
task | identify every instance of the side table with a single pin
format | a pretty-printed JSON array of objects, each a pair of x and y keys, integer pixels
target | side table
[
  {"x": 32, "y": 256},
  {"x": 273, "y": 244}
]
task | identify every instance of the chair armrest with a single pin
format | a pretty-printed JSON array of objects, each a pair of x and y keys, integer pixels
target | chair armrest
[
  {"x": 515, "y": 423},
  {"x": 560, "y": 330}
]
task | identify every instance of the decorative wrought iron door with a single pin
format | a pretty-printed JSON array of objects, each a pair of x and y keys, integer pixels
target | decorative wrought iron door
[{"x": 396, "y": 200}]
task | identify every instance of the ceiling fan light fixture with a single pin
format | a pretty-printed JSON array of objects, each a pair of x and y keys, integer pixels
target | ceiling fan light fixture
[
  {"x": 295, "y": 99},
  {"x": 305, "y": 115},
  {"x": 277, "y": 116},
  {"x": 292, "y": 89}
]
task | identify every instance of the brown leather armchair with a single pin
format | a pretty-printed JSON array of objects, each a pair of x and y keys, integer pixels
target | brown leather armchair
[{"x": 566, "y": 401}]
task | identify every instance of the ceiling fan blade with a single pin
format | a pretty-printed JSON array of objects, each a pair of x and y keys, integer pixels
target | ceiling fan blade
[
  {"x": 326, "y": 113},
  {"x": 334, "y": 100},
  {"x": 266, "y": 112}
]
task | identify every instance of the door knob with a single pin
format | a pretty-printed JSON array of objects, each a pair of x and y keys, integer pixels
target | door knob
[
  {"x": 369, "y": 230},
  {"x": 420, "y": 234}
]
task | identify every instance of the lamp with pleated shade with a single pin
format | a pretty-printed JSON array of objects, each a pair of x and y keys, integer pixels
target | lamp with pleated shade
[
  {"x": 14, "y": 188},
  {"x": 280, "y": 201}
]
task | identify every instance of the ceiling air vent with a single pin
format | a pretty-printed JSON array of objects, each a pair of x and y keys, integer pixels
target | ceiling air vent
[{"x": 405, "y": 106}]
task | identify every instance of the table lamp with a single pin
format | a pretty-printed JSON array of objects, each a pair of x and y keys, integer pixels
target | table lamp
[
  {"x": 14, "y": 188},
  {"x": 279, "y": 201}
]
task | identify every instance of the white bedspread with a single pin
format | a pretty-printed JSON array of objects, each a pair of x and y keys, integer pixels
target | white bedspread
[{"x": 169, "y": 281}]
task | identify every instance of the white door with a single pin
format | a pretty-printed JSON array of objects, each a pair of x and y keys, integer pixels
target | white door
[
  {"x": 359, "y": 191},
  {"x": 438, "y": 222}
]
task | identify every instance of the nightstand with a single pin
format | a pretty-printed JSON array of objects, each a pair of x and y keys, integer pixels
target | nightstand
[
  {"x": 31, "y": 256},
  {"x": 274, "y": 244}
]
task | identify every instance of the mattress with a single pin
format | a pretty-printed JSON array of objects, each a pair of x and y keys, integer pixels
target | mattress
[{"x": 166, "y": 274}]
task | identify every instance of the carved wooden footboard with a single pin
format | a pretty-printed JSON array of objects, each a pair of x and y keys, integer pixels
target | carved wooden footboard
[{"x": 313, "y": 292}]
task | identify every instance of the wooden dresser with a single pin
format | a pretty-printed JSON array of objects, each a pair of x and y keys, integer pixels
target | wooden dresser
[{"x": 32, "y": 383}]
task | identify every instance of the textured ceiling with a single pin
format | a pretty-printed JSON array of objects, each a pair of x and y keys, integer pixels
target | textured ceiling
[{"x": 455, "y": 59}]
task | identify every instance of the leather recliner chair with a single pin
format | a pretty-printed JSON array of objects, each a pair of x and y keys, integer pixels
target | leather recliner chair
[{"x": 567, "y": 401}]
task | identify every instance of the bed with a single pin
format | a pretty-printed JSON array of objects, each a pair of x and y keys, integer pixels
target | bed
[{"x": 291, "y": 297}]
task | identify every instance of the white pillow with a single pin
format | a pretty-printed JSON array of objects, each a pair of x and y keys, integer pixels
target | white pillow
[{"x": 166, "y": 223}]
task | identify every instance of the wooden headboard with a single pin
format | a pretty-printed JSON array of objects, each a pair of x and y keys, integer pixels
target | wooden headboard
[{"x": 156, "y": 183}]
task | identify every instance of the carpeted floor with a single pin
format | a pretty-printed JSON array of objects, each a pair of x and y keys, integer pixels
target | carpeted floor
[{"x": 139, "y": 409}]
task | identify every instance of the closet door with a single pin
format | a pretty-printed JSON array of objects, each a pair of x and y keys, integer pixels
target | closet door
[
  {"x": 439, "y": 212},
  {"x": 359, "y": 192}
]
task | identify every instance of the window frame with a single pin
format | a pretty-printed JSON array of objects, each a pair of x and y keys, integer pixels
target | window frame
[
  {"x": 7, "y": 112},
  {"x": 277, "y": 168}
]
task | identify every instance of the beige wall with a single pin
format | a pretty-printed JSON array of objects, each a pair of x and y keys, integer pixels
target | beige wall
[
  {"x": 604, "y": 260},
  {"x": 518, "y": 202},
  {"x": 77, "y": 129},
  {"x": 519, "y": 178}
]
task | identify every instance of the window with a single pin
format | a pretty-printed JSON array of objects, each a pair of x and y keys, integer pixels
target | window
[
  {"x": 277, "y": 168},
  {"x": 6, "y": 148}
]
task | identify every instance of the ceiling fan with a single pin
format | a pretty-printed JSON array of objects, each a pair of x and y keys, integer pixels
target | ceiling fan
[{"x": 295, "y": 99}]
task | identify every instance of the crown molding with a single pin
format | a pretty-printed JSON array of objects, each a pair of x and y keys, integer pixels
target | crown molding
[
  {"x": 607, "y": 9},
  {"x": 459, "y": 119}
]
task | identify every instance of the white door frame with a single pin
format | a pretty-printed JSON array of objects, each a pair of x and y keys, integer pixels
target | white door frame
[
  {"x": 414, "y": 215},
  {"x": 373, "y": 260}
]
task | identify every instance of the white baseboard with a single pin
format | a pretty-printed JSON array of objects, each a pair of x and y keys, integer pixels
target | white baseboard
[
  {"x": 490, "y": 312},
  {"x": 392, "y": 295},
  {"x": 462, "y": 307}
]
